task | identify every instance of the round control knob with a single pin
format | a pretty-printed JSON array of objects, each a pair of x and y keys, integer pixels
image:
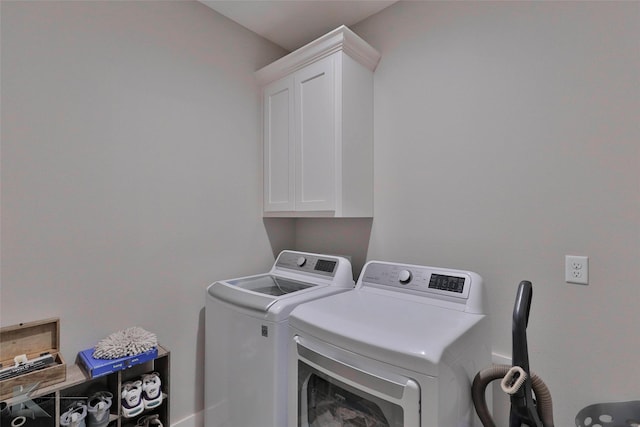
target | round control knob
[
  {"x": 301, "y": 261},
  {"x": 405, "y": 276}
]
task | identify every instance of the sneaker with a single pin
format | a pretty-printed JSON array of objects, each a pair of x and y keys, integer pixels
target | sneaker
[
  {"x": 149, "y": 421},
  {"x": 98, "y": 409},
  {"x": 132, "y": 404},
  {"x": 74, "y": 415},
  {"x": 151, "y": 392}
]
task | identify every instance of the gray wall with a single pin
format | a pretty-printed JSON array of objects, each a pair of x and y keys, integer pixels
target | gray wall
[
  {"x": 130, "y": 171},
  {"x": 506, "y": 136}
]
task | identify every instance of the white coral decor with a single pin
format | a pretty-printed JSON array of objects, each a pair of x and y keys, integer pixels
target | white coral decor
[{"x": 127, "y": 342}]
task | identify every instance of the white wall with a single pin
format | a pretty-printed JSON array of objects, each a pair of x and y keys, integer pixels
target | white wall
[
  {"x": 130, "y": 171},
  {"x": 506, "y": 136}
]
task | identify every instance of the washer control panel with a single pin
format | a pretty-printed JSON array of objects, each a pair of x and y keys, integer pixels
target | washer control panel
[
  {"x": 418, "y": 279},
  {"x": 308, "y": 263}
]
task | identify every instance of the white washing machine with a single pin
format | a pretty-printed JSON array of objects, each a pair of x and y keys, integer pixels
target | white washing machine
[
  {"x": 400, "y": 350},
  {"x": 246, "y": 336}
]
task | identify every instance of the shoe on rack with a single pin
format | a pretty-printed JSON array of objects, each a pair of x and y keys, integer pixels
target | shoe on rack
[
  {"x": 98, "y": 407},
  {"x": 132, "y": 404},
  {"x": 149, "y": 421},
  {"x": 74, "y": 415},
  {"x": 151, "y": 392}
]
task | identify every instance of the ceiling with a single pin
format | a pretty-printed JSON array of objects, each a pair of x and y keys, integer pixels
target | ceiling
[{"x": 294, "y": 23}]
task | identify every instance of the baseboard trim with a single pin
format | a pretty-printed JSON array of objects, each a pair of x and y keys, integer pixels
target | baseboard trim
[
  {"x": 500, "y": 359},
  {"x": 194, "y": 420}
]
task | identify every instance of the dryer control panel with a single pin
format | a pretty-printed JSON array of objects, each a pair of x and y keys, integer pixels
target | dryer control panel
[{"x": 458, "y": 286}]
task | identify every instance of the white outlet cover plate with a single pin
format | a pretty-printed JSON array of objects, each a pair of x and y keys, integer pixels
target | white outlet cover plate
[{"x": 576, "y": 269}]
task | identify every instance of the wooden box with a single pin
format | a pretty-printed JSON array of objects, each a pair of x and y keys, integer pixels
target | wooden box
[{"x": 32, "y": 339}]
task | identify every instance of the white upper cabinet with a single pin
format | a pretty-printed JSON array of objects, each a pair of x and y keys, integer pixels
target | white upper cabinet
[
  {"x": 318, "y": 129},
  {"x": 278, "y": 154}
]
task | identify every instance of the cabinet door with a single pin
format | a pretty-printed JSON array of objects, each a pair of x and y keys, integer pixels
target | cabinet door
[
  {"x": 315, "y": 137},
  {"x": 279, "y": 156}
]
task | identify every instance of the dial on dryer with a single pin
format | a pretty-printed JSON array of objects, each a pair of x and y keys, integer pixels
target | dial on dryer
[{"x": 405, "y": 277}]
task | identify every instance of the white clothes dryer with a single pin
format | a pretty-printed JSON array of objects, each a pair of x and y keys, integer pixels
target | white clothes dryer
[
  {"x": 400, "y": 350},
  {"x": 246, "y": 336}
]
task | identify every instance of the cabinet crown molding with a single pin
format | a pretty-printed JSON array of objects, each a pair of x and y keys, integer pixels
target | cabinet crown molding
[{"x": 340, "y": 39}]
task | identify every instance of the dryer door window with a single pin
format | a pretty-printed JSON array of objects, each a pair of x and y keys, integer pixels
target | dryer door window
[
  {"x": 331, "y": 403},
  {"x": 333, "y": 393}
]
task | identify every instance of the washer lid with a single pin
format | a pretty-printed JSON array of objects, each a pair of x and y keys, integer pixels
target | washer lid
[
  {"x": 379, "y": 325},
  {"x": 256, "y": 292}
]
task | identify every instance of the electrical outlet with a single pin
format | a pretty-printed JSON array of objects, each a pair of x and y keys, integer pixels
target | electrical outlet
[{"x": 576, "y": 269}]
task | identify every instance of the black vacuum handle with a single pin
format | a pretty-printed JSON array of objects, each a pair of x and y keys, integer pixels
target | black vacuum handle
[
  {"x": 520, "y": 321},
  {"x": 523, "y": 407}
]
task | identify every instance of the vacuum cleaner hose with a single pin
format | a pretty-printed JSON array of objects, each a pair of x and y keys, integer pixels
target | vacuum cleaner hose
[{"x": 544, "y": 405}]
